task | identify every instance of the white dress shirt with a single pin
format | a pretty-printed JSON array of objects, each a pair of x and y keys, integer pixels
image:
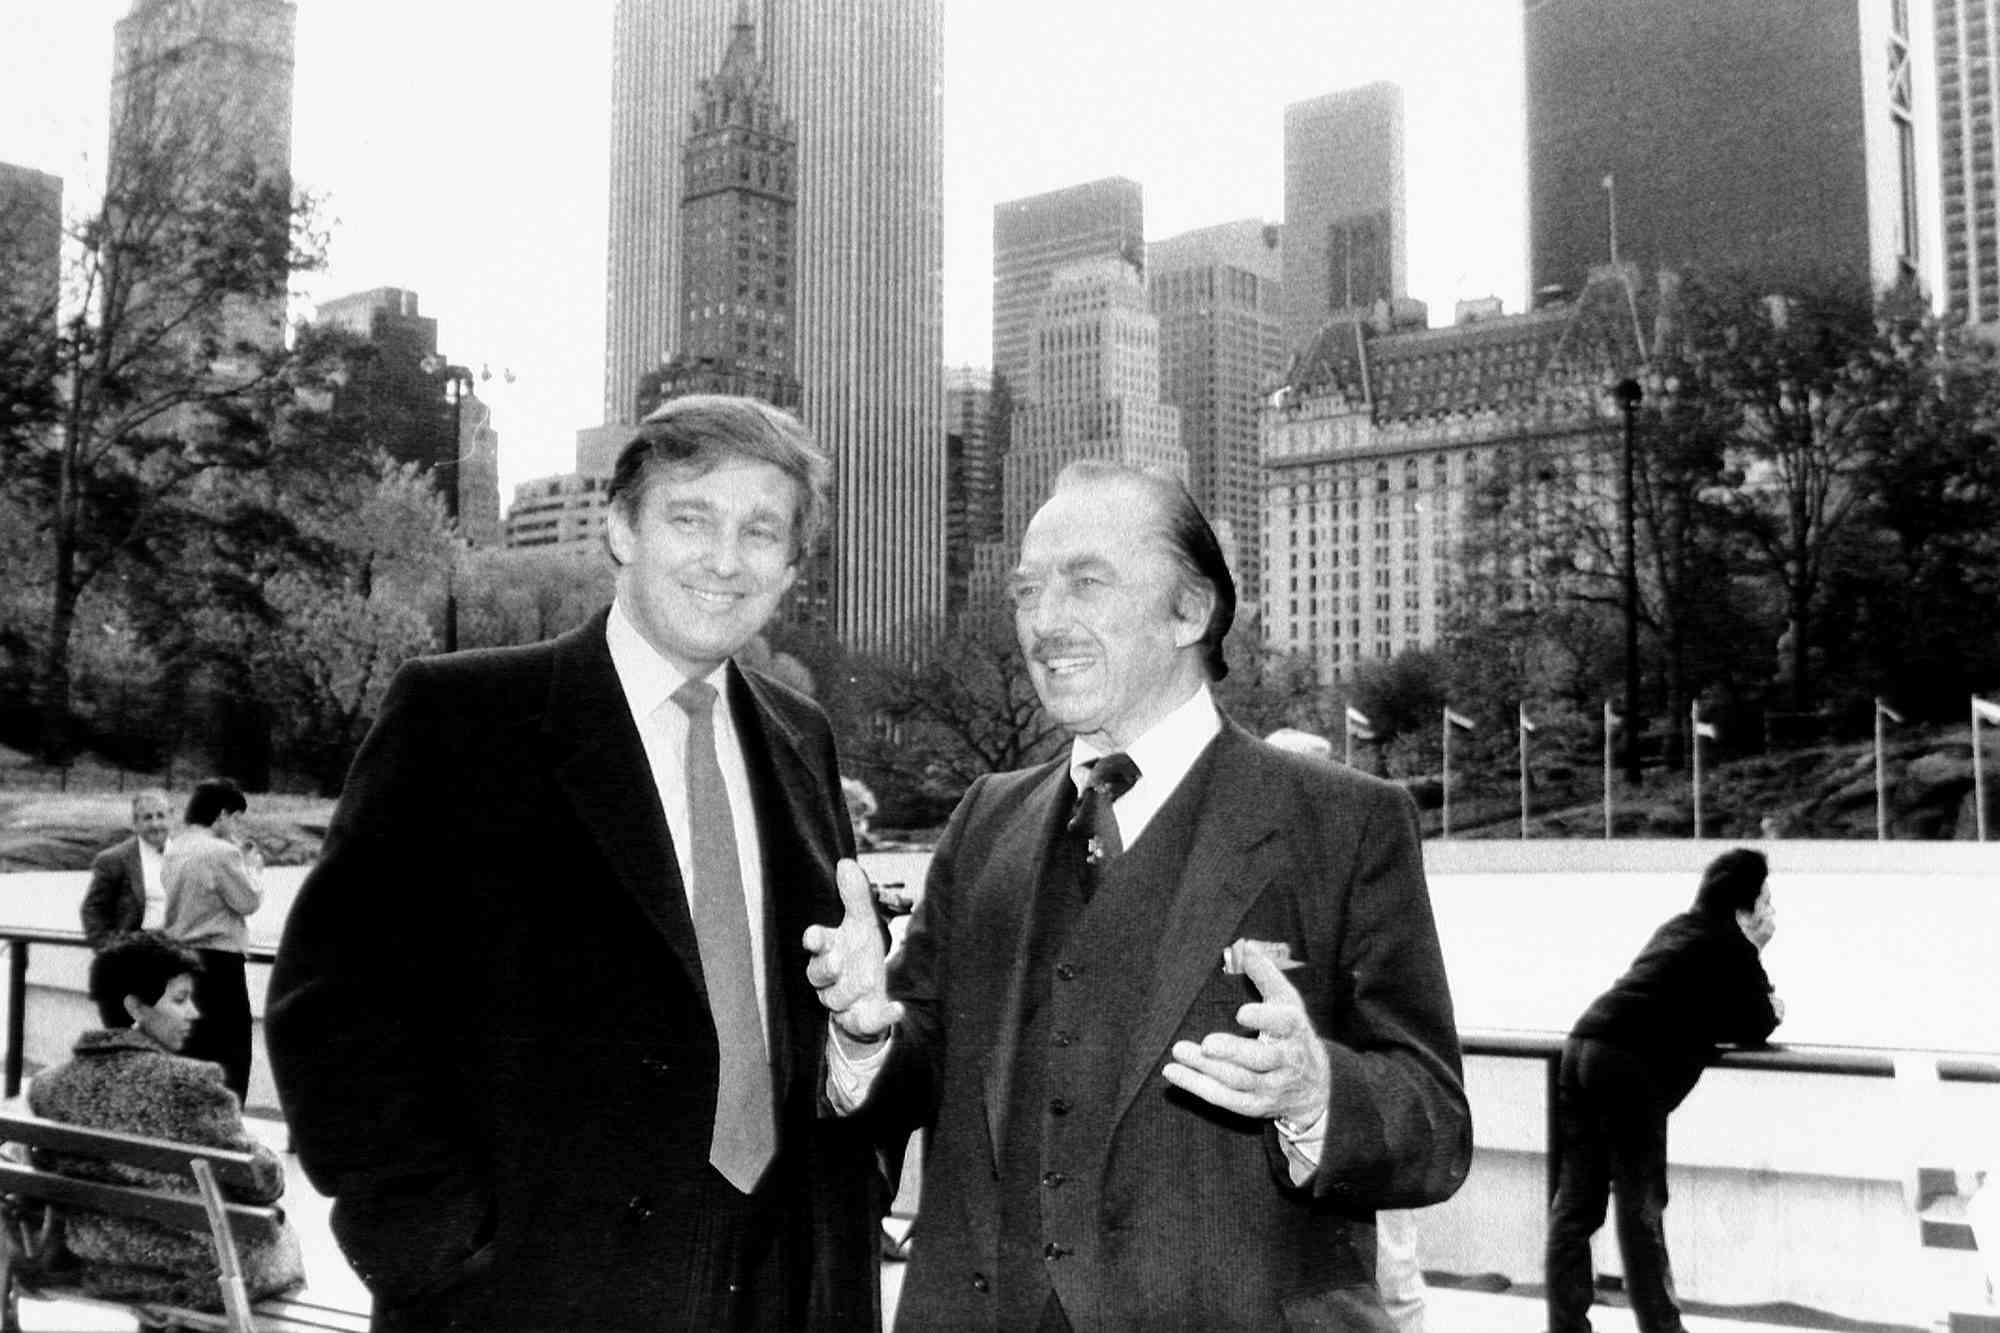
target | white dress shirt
[
  {"x": 649, "y": 682},
  {"x": 153, "y": 885}
]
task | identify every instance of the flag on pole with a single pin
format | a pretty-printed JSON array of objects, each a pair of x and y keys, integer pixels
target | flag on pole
[
  {"x": 1458, "y": 719},
  {"x": 1988, "y": 710},
  {"x": 1884, "y": 710},
  {"x": 1705, "y": 730},
  {"x": 1526, "y": 725},
  {"x": 1358, "y": 725}
]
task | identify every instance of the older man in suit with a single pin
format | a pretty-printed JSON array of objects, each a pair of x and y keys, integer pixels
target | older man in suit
[
  {"x": 539, "y": 1019},
  {"x": 1173, "y": 1003},
  {"x": 126, "y": 891}
]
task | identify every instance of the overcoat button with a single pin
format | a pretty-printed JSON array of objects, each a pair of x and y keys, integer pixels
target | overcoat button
[
  {"x": 979, "y": 1282},
  {"x": 638, "y": 1208}
]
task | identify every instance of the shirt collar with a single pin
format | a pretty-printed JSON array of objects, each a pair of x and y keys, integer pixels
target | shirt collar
[
  {"x": 1167, "y": 750},
  {"x": 648, "y": 679}
]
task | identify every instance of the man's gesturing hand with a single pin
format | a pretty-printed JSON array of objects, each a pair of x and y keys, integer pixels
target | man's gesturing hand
[
  {"x": 1281, "y": 1073},
  {"x": 847, "y": 965}
]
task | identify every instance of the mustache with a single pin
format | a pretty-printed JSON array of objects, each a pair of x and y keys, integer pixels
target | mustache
[{"x": 1055, "y": 647}]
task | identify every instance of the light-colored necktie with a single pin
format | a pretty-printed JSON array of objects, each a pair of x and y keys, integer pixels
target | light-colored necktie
[{"x": 746, "y": 1128}]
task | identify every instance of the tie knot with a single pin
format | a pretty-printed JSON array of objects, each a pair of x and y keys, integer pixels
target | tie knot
[
  {"x": 695, "y": 697},
  {"x": 1114, "y": 774}
]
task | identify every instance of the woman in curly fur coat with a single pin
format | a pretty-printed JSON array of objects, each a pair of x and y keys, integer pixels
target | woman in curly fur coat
[{"x": 129, "y": 1079}]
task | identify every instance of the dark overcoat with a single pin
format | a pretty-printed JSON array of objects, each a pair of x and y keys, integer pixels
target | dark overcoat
[{"x": 488, "y": 1022}]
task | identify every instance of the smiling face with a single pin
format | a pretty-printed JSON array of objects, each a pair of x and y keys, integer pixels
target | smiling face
[
  {"x": 1110, "y": 639},
  {"x": 170, "y": 1021},
  {"x": 150, "y": 819},
  {"x": 705, "y": 557}
]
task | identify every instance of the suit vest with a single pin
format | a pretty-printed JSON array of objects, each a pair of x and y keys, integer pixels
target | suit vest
[{"x": 1089, "y": 971}]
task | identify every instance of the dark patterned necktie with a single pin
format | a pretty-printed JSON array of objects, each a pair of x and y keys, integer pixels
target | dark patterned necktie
[
  {"x": 1110, "y": 778},
  {"x": 745, "y": 1138}
]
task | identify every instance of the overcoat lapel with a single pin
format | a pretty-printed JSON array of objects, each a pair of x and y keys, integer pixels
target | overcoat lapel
[
  {"x": 601, "y": 766},
  {"x": 1230, "y": 865},
  {"x": 1015, "y": 871}
]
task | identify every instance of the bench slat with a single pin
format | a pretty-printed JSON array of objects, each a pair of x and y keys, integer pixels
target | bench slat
[
  {"x": 174, "y": 1210},
  {"x": 232, "y": 1168}
]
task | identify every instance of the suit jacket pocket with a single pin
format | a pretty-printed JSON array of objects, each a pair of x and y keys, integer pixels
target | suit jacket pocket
[
  {"x": 417, "y": 1236},
  {"x": 1337, "y": 1310}
]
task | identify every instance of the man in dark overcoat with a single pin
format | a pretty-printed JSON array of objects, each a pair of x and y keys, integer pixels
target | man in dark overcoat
[{"x": 551, "y": 1076}]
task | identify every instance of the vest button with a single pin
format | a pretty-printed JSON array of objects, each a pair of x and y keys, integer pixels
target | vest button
[
  {"x": 979, "y": 1282},
  {"x": 1053, "y": 1179},
  {"x": 1061, "y": 1038},
  {"x": 1066, "y": 971},
  {"x": 1053, "y": 1251},
  {"x": 1059, "y": 1106}
]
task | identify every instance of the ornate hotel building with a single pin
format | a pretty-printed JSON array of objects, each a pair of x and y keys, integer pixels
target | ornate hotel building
[
  {"x": 1374, "y": 451},
  {"x": 860, "y": 82}
]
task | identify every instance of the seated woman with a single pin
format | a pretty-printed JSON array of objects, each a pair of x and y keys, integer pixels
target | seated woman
[{"x": 130, "y": 1079}]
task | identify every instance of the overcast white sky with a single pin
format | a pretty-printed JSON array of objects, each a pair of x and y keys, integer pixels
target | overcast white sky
[{"x": 462, "y": 148}]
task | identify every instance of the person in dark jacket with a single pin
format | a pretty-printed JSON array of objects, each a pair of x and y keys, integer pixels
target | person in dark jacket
[{"x": 1630, "y": 1060}]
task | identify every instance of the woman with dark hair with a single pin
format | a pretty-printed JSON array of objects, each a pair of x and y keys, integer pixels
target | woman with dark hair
[
  {"x": 129, "y": 1078},
  {"x": 213, "y": 879}
]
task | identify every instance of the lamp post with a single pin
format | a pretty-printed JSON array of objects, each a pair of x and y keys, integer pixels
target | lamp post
[
  {"x": 1628, "y": 394},
  {"x": 457, "y": 382}
]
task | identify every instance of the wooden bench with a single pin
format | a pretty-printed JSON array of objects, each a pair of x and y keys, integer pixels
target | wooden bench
[{"x": 31, "y": 1203}]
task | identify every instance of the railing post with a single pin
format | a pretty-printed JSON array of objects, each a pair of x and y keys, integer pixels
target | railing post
[
  {"x": 1551, "y": 1138},
  {"x": 17, "y": 1012}
]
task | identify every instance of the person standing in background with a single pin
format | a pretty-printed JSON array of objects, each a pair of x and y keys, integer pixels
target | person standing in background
[
  {"x": 214, "y": 881},
  {"x": 126, "y": 891},
  {"x": 1633, "y": 1057}
]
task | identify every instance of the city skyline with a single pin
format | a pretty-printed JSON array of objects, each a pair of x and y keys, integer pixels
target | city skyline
[{"x": 508, "y": 123}]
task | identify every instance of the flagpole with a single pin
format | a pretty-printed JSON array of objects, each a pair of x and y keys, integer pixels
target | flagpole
[
  {"x": 1881, "y": 788},
  {"x": 1447, "y": 771},
  {"x": 1694, "y": 721},
  {"x": 1522, "y": 729},
  {"x": 1607, "y": 770},
  {"x": 1978, "y": 775}
]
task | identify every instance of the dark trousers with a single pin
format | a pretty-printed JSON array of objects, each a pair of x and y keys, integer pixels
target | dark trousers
[
  {"x": 222, "y": 1033},
  {"x": 1611, "y": 1125}
]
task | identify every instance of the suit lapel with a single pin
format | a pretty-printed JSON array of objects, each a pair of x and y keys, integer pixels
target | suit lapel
[
  {"x": 1225, "y": 873},
  {"x": 601, "y": 767},
  {"x": 1020, "y": 857}
]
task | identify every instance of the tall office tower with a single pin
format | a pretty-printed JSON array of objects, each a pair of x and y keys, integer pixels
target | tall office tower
[
  {"x": 1345, "y": 219},
  {"x": 1216, "y": 294},
  {"x": 972, "y": 477},
  {"x": 861, "y": 83},
  {"x": 1779, "y": 138},
  {"x": 200, "y": 88},
  {"x": 30, "y": 246},
  {"x": 1034, "y": 237},
  {"x": 1968, "y": 58},
  {"x": 739, "y": 197},
  {"x": 1092, "y": 388}
]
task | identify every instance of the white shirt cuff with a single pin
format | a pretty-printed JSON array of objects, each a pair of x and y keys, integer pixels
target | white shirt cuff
[
  {"x": 1303, "y": 1146},
  {"x": 850, "y": 1077}
]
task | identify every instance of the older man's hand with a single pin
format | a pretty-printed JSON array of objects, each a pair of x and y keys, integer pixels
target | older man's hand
[
  {"x": 1280, "y": 1074},
  {"x": 848, "y": 966}
]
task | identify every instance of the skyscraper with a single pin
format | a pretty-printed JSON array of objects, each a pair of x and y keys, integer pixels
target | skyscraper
[
  {"x": 972, "y": 477},
  {"x": 1034, "y": 237},
  {"x": 199, "y": 88},
  {"x": 1092, "y": 388},
  {"x": 1774, "y": 137},
  {"x": 1345, "y": 220},
  {"x": 739, "y": 200},
  {"x": 860, "y": 82},
  {"x": 1216, "y": 294},
  {"x": 1968, "y": 59}
]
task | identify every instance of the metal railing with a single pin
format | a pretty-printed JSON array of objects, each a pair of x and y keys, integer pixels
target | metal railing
[
  {"x": 20, "y": 940},
  {"x": 1846, "y": 1061}
]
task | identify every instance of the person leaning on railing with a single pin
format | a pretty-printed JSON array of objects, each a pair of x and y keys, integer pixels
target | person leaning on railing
[{"x": 129, "y": 1078}]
